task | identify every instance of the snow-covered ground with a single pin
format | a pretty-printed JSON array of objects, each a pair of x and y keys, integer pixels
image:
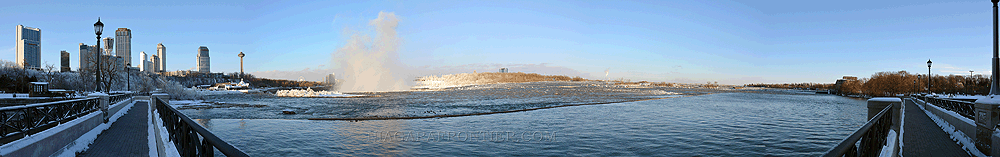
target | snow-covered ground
[
  {"x": 170, "y": 149},
  {"x": 890, "y": 144},
  {"x": 310, "y": 93},
  {"x": 181, "y": 102},
  {"x": 216, "y": 92}
]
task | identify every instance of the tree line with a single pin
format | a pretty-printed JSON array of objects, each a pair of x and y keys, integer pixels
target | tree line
[
  {"x": 809, "y": 86},
  {"x": 901, "y": 82}
]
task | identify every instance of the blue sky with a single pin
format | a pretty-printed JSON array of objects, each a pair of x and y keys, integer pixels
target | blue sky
[{"x": 732, "y": 42}]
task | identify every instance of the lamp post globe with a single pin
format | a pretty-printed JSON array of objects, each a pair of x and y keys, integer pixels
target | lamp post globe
[{"x": 98, "y": 29}]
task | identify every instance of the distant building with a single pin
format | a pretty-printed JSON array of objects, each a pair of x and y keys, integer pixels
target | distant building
[
  {"x": 161, "y": 51},
  {"x": 64, "y": 61},
  {"x": 841, "y": 82},
  {"x": 29, "y": 47},
  {"x": 109, "y": 45},
  {"x": 192, "y": 73},
  {"x": 503, "y": 70},
  {"x": 142, "y": 60},
  {"x": 123, "y": 44},
  {"x": 203, "y": 60},
  {"x": 145, "y": 65},
  {"x": 134, "y": 69},
  {"x": 88, "y": 56},
  {"x": 156, "y": 62},
  {"x": 180, "y": 73},
  {"x": 331, "y": 79}
]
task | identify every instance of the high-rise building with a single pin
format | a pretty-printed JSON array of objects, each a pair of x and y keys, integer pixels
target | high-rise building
[
  {"x": 123, "y": 44},
  {"x": 109, "y": 45},
  {"x": 203, "y": 60},
  {"x": 331, "y": 79},
  {"x": 156, "y": 63},
  {"x": 88, "y": 57},
  {"x": 64, "y": 61},
  {"x": 145, "y": 64},
  {"x": 161, "y": 51},
  {"x": 29, "y": 47}
]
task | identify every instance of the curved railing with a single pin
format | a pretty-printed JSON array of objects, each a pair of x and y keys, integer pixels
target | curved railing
[
  {"x": 870, "y": 137},
  {"x": 190, "y": 138},
  {"x": 964, "y": 108}
]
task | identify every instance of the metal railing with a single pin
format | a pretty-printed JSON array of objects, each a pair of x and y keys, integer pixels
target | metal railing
[
  {"x": 17, "y": 122},
  {"x": 870, "y": 137},
  {"x": 964, "y": 108},
  {"x": 190, "y": 138},
  {"x": 114, "y": 99}
]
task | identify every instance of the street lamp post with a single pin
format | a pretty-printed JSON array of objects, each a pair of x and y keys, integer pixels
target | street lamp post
[
  {"x": 98, "y": 28},
  {"x": 928, "y": 76},
  {"x": 128, "y": 76},
  {"x": 969, "y": 83},
  {"x": 986, "y": 110},
  {"x": 996, "y": 49}
]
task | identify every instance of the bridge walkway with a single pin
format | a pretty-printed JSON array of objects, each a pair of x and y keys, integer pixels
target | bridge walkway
[
  {"x": 126, "y": 137},
  {"x": 923, "y": 137}
]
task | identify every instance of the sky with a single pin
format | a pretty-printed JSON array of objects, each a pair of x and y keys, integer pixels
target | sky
[{"x": 729, "y": 42}]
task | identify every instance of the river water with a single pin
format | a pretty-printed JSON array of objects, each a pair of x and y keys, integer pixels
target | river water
[{"x": 698, "y": 124}]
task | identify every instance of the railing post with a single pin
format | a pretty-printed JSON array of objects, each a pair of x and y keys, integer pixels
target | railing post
[
  {"x": 102, "y": 103},
  {"x": 875, "y": 105},
  {"x": 986, "y": 120},
  {"x": 162, "y": 96}
]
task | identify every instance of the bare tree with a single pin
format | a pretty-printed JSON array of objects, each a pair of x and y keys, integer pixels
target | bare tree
[
  {"x": 49, "y": 71},
  {"x": 112, "y": 73}
]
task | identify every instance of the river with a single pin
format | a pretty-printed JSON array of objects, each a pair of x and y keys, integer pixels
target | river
[{"x": 695, "y": 124}]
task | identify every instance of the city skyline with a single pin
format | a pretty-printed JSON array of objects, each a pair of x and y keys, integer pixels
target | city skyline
[{"x": 725, "y": 41}]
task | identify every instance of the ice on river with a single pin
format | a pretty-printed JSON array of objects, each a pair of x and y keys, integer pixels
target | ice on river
[{"x": 310, "y": 93}]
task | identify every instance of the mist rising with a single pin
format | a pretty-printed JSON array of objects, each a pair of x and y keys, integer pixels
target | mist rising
[{"x": 371, "y": 63}]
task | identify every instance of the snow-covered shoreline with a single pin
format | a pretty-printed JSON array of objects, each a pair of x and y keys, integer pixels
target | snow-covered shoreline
[{"x": 310, "y": 93}]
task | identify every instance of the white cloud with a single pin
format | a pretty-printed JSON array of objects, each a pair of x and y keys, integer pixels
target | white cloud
[{"x": 947, "y": 69}]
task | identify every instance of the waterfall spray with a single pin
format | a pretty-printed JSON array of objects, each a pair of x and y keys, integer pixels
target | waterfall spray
[{"x": 371, "y": 64}]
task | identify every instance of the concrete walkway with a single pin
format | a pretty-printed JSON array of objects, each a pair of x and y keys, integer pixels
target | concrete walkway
[
  {"x": 126, "y": 137},
  {"x": 922, "y": 137}
]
